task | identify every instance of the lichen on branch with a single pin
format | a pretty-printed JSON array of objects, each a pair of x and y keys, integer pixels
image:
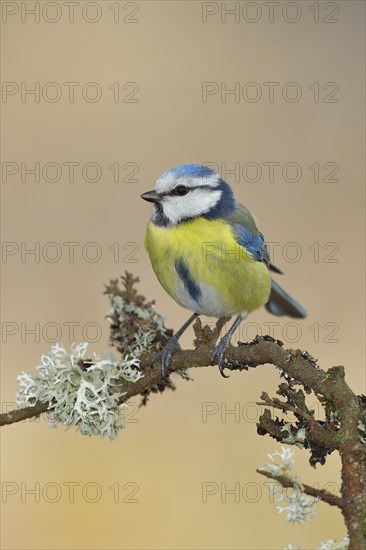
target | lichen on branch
[
  {"x": 79, "y": 392},
  {"x": 90, "y": 392}
]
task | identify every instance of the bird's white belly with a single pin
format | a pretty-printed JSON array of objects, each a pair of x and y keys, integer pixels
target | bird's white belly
[{"x": 210, "y": 302}]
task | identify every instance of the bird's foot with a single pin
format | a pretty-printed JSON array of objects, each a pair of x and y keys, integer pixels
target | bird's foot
[
  {"x": 218, "y": 355},
  {"x": 165, "y": 355}
]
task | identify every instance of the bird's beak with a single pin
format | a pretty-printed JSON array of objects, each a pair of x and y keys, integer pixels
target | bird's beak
[{"x": 151, "y": 196}]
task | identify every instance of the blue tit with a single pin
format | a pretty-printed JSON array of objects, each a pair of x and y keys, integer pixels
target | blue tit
[{"x": 209, "y": 255}]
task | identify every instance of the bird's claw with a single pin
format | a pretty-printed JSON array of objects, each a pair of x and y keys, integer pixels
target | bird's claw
[
  {"x": 219, "y": 355},
  {"x": 166, "y": 355}
]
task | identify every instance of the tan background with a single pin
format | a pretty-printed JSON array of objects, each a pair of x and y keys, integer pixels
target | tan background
[{"x": 169, "y": 452}]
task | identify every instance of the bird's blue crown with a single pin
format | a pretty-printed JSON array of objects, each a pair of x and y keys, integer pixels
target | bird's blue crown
[{"x": 190, "y": 170}]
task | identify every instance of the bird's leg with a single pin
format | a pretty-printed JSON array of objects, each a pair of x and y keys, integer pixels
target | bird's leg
[
  {"x": 172, "y": 345},
  {"x": 224, "y": 344}
]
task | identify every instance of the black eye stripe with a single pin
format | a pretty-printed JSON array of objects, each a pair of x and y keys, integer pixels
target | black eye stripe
[{"x": 173, "y": 194}]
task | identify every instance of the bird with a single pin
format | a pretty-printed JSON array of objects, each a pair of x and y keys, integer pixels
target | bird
[{"x": 209, "y": 255}]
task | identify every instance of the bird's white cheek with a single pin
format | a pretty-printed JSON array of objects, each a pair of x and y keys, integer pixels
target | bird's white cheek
[{"x": 193, "y": 204}]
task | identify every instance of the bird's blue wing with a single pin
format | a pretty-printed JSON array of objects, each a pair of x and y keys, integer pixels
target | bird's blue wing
[
  {"x": 247, "y": 233},
  {"x": 252, "y": 243}
]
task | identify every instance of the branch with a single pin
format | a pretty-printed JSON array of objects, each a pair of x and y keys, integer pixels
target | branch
[
  {"x": 341, "y": 430},
  {"x": 17, "y": 415},
  {"x": 261, "y": 351},
  {"x": 317, "y": 434},
  {"x": 285, "y": 481}
]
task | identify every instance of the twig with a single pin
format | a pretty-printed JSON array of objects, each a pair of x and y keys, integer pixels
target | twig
[
  {"x": 261, "y": 351},
  {"x": 277, "y": 404},
  {"x": 17, "y": 415},
  {"x": 325, "y": 496}
]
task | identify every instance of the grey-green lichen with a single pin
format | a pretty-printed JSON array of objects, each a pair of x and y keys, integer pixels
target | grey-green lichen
[
  {"x": 131, "y": 314},
  {"x": 333, "y": 545},
  {"x": 299, "y": 508},
  {"x": 82, "y": 393},
  {"x": 88, "y": 393},
  {"x": 297, "y": 439},
  {"x": 362, "y": 428},
  {"x": 327, "y": 545}
]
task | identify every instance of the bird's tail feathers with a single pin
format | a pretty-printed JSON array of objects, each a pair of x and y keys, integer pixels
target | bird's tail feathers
[
  {"x": 275, "y": 269},
  {"x": 281, "y": 303}
]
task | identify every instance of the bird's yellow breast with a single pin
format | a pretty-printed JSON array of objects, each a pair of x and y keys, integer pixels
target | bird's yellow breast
[{"x": 219, "y": 277}]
